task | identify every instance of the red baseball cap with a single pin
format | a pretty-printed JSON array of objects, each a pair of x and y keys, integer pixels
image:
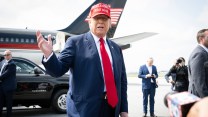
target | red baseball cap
[{"x": 100, "y": 9}]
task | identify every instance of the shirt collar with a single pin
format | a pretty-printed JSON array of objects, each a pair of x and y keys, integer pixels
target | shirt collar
[
  {"x": 97, "y": 39},
  {"x": 148, "y": 65},
  {"x": 7, "y": 61},
  {"x": 204, "y": 47}
]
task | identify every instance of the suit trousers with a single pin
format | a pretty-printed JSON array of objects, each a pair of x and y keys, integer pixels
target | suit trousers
[
  {"x": 151, "y": 93},
  {"x": 6, "y": 98},
  {"x": 106, "y": 109}
]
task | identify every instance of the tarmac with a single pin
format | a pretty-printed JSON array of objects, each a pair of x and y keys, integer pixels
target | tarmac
[
  {"x": 138, "y": 81},
  {"x": 135, "y": 98}
]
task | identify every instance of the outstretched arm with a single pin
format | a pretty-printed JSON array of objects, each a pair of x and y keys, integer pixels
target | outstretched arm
[{"x": 45, "y": 45}]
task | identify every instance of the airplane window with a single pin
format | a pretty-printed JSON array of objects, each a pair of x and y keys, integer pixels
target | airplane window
[
  {"x": 27, "y": 41},
  {"x": 1, "y": 39},
  {"x": 17, "y": 40},
  {"x": 7, "y": 40},
  {"x": 12, "y": 39},
  {"x": 22, "y": 40},
  {"x": 32, "y": 41}
]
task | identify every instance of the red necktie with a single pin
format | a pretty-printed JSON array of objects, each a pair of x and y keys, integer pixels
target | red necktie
[{"x": 108, "y": 76}]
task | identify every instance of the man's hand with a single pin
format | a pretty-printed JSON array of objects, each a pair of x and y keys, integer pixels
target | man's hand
[
  {"x": 148, "y": 76},
  {"x": 171, "y": 81},
  {"x": 199, "y": 109},
  {"x": 123, "y": 114},
  {"x": 154, "y": 76},
  {"x": 45, "y": 46}
]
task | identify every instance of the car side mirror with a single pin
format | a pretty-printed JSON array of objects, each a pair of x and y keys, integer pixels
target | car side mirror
[{"x": 37, "y": 71}]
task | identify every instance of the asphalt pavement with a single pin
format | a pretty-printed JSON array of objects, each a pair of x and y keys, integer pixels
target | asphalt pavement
[{"x": 135, "y": 97}]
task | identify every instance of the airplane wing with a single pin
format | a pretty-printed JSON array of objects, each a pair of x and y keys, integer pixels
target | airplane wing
[{"x": 124, "y": 42}]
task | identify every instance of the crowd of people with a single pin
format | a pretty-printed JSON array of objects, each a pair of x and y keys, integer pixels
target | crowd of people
[{"x": 99, "y": 85}]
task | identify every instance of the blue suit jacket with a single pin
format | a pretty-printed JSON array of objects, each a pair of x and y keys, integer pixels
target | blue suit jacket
[
  {"x": 87, "y": 86},
  {"x": 146, "y": 82},
  {"x": 8, "y": 76}
]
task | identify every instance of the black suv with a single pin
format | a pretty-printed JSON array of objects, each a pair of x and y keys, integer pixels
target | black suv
[{"x": 35, "y": 87}]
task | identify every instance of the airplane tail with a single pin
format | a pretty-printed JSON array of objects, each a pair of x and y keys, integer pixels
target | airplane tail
[{"x": 80, "y": 25}]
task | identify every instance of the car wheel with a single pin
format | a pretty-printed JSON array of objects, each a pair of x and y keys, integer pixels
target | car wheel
[{"x": 59, "y": 101}]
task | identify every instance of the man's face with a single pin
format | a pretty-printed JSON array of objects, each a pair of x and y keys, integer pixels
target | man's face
[
  {"x": 7, "y": 55},
  {"x": 205, "y": 39},
  {"x": 150, "y": 62},
  {"x": 99, "y": 25}
]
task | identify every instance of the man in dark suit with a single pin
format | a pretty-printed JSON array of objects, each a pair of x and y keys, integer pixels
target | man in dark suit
[
  {"x": 99, "y": 84},
  {"x": 148, "y": 73},
  {"x": 7, "y": 82},
  {"x": 198, "y": 66}
]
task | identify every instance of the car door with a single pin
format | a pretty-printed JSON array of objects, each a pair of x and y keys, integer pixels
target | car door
[{"x": 31, "y": 85}]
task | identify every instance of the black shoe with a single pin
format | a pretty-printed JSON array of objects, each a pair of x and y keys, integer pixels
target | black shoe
[
  {"x": 144, "y": 115},
  {"x": 153, "y": 115}
]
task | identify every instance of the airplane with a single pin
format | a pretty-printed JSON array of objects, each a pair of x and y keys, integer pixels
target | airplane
[{"x": 23, "y": 42}]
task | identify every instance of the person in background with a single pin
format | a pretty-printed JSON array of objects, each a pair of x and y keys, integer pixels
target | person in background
[
  {"x": 198, "y": 66},
  {"x": 8, "y": 82},
  {"x": 148, "y": 73},
  {"x": 172, "y": 73},
  {"x": 179, "y": 73},
  {"x": 99, "y": 84},
  {"x": 182, "y": 81}
]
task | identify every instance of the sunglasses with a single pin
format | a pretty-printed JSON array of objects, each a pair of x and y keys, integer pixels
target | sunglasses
[{"x": 6, "y": 54}]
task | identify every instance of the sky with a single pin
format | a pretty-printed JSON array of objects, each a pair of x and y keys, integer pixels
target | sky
[{"x": 176, "y": 22}]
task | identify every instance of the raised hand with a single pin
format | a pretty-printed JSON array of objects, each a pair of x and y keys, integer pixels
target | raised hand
[{"x": 45, "y": 46}]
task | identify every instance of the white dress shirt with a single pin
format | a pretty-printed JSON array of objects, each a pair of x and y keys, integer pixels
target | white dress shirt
[
  {"x": 97, "y": 43},
  {"x": 150, "y": 71}
]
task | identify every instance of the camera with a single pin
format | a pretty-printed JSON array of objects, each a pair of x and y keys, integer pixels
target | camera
[
  {"x": 179, "y": 61},
  {"x": 179, "y": 103}
]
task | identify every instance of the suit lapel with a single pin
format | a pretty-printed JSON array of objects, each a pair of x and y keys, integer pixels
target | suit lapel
[
  {"x": 94, "y": 52},
  {"x": 153, "y": 69},
  {"x": 146, "y": 69},
  {"x": 4, "y": 67}
]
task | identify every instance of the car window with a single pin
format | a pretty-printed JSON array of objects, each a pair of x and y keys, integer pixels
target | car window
[{"x": 24, "y": 67}]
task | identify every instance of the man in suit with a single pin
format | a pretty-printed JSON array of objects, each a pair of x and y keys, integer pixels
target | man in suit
[
  {"x": 7, "y": 82},
  {"x": 198, "y": 66},
  {"x": 99, "y": 84},
  {"x": 148, "y": 73}
]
